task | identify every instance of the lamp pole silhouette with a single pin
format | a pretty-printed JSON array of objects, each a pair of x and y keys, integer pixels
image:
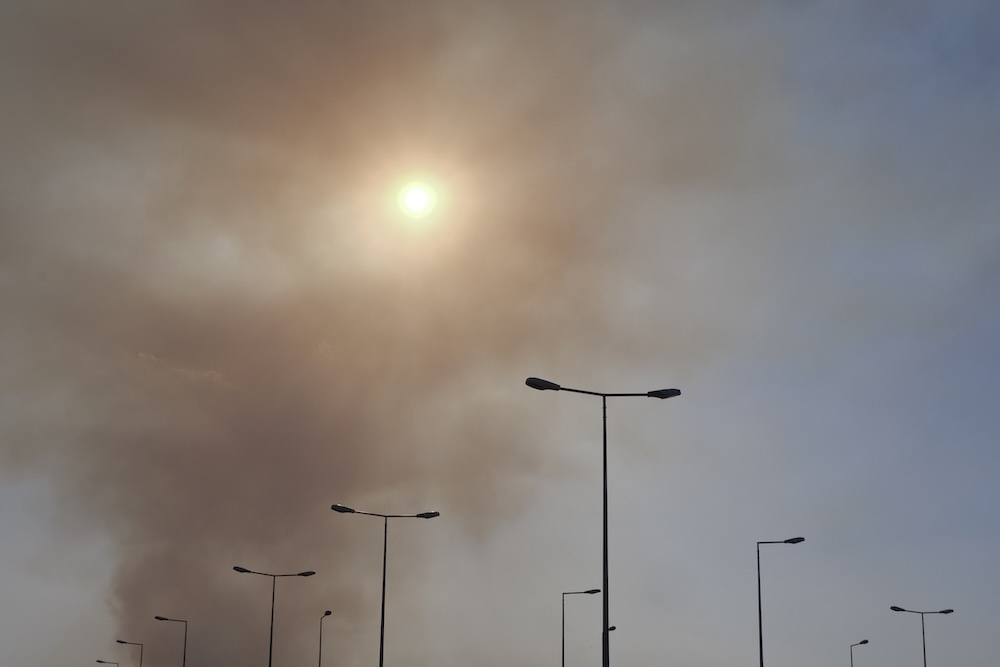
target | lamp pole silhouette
[
  {"x": 120, "y": 641},
  {"x": 343, "y": 509},
  {"x": 325, "y": 614},
  {"x": 863, "y": 641},
  {"x": 760, "y": 622},
  {"x": 923, "y": 635},
  {"x": 545, "y": 385},
  {"x": 274, "y": 579},
  {"x": 590, "y": 592},
  {"x": 179, "y": 620}
]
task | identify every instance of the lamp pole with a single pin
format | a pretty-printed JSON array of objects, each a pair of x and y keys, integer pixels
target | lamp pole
[
  {"x": 545, "y": 385},
  {"x": 592, "y": 591},
  {"x": 863, "y": 641},
  {"x": 120, "y": 641},
  {"x": 325, "y": 614},
  {"x": 923, "y": 635},
  {"x": 274, "y": 579},
  {"x": 179, "y": 620},
  {"x": 760, "y": 622},
  {"x": 343, "y": 509}
]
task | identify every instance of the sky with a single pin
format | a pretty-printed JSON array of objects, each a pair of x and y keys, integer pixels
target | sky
[{"x": 216, "y": 323}]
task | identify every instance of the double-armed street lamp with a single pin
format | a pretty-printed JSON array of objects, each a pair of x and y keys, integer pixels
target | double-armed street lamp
[
  {"x": 179, "y": 620},
  {"x": 860, "y": 643},
  {"x": 545, "y": 385},
  {"x": 121, "y": 641},
  {"x": 343, "y": 509},
  {"x": 325, "y": 614},
  {"x": 274, "y": 579},
  {"x": 592, "y": 591},
  {"x": 923, "y": 635},
  {"x": 760, "y": 622}
]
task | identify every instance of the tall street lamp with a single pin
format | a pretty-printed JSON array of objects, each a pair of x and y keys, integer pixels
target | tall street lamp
[
  {"x": 760, "y": 622},
  {"x": 274, "y": 579},
  {"x": 860, "y": 643},
  {"x": 179, "y": 620},
  {"x": 592, "y": 591},
  {"x": 923, "y": 635},
  {"x": 325, "y": 614},
  {"x": 545, "y": 385},
  {"x": 343, "y": 509},
  {"x": 120, "y": 641}
]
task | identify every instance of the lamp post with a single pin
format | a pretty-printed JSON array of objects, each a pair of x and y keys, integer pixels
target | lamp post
[
  {"x": 545, "y": 385},
  {"x": 179, "y": 620},
  {"x": 274, "y": 579},
  {"x": 760, "y": 622},
  {"x": 590, "y": 592},
  {"x": 325, "y": 614},
  {"x": 343, "y": 509},
  {"x": 923, "y": 635},
  {"x": 121, "y": 641},
  {"x": 860, "y": 643}
]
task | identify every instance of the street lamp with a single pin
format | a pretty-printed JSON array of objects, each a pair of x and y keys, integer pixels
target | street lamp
[
  {"x": 120, "y": 641},
  {"x": 923, "y": 635},
  {"x": 590, "y": 592},
  {"x": 760, "y": 622},
  {"x": 274, "y": 579},
  {"x": 325, "y": 614},
  {"x": 385, "y": 550},
  {"x": 863, "y": 641},
  {"x": 545, "y": 385},
  {"x": 179, "y": 620}
]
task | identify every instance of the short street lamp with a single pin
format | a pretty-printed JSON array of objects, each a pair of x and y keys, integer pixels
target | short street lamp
[
  {"x": 274, "y": 579},
  {"x": 546, "y": 385},
  {"x": 863, "y": 641},
  {"x": 120, "y": 641},
  {"x": 343, "y": 509},
  {"x": 760, "y": 622},
  {"x": 179, "y": 620},
  {"x": 592, "y": 591},
  {"x": 923, "y": 635},
  {"x": 325, "y": 614}
]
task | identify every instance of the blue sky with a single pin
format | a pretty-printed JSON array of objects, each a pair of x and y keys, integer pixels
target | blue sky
[{"x": 216, "y": 325}]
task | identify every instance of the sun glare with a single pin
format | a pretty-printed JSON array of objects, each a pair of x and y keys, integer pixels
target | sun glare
[{"x": 417, "y": 200}]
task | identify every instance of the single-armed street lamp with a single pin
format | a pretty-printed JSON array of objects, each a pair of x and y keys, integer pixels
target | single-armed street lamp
[
  {"x": 179, "y": 620},
  {"x": 343, "y": 509},
  {"x": 863, "y": 641},
  {"x": 120, "y": 641},
  {"x": 274, "y": 579},
  {"x": 325, "y": 614},
  {"x": 592, "y": 591},
  {"x": 923, "y": 635},
  {"x": 545, "y": 385},
  {"x": 760, "y": 622}
]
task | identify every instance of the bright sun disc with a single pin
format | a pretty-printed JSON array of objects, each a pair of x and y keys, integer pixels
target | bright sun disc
[{"x": 416, "y": 200}]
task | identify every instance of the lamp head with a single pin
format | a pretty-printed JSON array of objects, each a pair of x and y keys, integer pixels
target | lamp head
[
  {"x": 119, "y": 641},
  {"x": 795, "y": 540},
  {"x": 947, "y": 611},
  {"x": 307, "y": 573},
  {"x": 663, "y": 393},
  {"x": 897, "y": 608},
  {"x": 428, "y": 515},
  {"x": 327, "y": 612},
  {"x": 343, "y": 509},
  {"x": 863, "y": 641},
  {"x": 240, "y": 569},
  {"x": 592, "y": 591},
  {"x": 161, "y": 618},
  {"x": 542, "y": 385}
]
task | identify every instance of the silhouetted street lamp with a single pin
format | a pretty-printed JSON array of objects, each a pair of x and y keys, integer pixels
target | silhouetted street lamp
[
  {"x": 590, "y": 592},
  {"x": 760, "y": 622},
  {"x": 325, "y": 614},
  {"x": 863, "y": 641},
  {"x": 343, "y": 509},
  {"x": 120, "y": 641},
  {"x": 923, "y": 635},
  {"x": 179, "y": 620},
  {"x": 274, "y": 579},
  {"x": 545, "y": 385}
]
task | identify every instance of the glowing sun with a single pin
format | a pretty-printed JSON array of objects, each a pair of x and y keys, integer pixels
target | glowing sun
[{"x": 417, "y": 200}]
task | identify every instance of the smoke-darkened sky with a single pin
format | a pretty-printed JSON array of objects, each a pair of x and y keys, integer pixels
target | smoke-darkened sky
[{"x": 216, "y": 323}]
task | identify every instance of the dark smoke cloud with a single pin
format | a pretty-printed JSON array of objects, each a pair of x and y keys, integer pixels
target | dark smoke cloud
[{"x": 213, "y": 325}]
